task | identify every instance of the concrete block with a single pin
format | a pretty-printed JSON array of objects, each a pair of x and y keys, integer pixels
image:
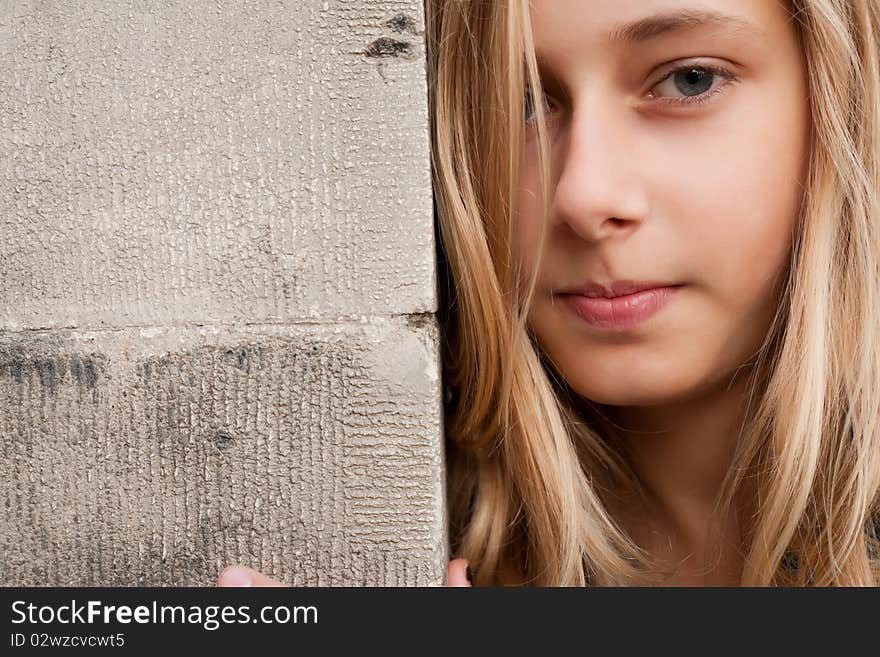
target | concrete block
[
  {"x": 156, "y": 456},
  {"x": 193, "y": 162}
]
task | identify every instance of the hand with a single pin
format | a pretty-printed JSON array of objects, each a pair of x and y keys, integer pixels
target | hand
[{"x": 456, "y": 575}]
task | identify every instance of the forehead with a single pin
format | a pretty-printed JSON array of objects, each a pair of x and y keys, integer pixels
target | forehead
[{"x": 566, "y": 27}]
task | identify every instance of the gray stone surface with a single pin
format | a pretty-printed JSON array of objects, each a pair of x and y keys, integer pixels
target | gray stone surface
[
  {"x": 156, "y": 456},
  {"x": 217, "y": 287},
  {"x": 195, "y": 161}
]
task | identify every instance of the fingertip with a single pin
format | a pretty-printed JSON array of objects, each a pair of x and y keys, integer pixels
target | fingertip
[
  {"x": 236, "y": 575},
  {"x": 262, "y": 580},
  {"x": 457, "y": 573}
]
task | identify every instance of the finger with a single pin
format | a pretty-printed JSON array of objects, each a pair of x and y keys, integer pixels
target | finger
[
  {"x": 243, "y": 576},
  {"x": 456, "y": 574}
]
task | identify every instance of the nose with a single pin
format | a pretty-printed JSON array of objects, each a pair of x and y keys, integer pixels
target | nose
[{"x": 601, "y": 193}]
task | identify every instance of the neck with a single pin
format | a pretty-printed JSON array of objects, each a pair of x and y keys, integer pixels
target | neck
[{"x": 681, "y": 453}]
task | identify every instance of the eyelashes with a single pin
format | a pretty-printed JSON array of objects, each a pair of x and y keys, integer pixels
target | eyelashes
[{"x": 688, "y": 75}]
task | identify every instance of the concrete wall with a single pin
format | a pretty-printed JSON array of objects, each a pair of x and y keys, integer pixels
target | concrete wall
[{"x": 217, "y": 294}]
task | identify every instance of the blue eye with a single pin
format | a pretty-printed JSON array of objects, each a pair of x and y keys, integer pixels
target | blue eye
[{"x": 696, "y": 83}]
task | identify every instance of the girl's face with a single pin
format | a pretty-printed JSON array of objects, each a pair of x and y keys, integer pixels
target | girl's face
[{"x": 679, "y": 136}]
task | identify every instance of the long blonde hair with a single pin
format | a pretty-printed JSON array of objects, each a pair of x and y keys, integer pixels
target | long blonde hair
[{"x": 532, "y": 483}]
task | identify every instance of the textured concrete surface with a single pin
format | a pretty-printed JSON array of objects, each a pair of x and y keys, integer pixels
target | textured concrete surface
[
  {"x": 217, "y": 287},
  {"x": 206, "y": 162},
  {"x": 155, "y": 456}
]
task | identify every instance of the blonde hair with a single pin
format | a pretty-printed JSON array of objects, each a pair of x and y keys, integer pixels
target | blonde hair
[{"x": 532, "y": 483}]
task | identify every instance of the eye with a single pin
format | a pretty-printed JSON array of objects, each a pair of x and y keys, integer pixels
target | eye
[
  {"x": 529, "y": 107},
  {"x": 696, "y": 83}
]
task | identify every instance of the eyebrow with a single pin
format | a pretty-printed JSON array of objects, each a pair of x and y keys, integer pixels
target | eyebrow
[{"x": 654, "y": 26}]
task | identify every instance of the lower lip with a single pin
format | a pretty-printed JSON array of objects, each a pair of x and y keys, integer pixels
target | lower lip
[{"x": 623, "y": 312}]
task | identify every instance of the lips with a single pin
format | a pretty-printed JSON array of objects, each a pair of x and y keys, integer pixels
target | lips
[
  {"x": 615, "y": 288},
  {"x": 622, "y": 310}
]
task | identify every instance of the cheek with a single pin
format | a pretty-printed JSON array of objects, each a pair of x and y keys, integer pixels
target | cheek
[
  {"x": 526, "y": 228},
  {"x": 741, "y": 227}
]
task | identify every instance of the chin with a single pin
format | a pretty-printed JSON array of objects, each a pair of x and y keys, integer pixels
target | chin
[
  {"x": 637, "y": 385},
  {"x": 627, "y": 398}
]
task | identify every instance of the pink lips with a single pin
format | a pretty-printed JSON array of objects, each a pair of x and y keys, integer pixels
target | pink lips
[{"x": 620, "y": 312}]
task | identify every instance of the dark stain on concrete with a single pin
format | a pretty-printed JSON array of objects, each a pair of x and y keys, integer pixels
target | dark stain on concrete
[
  {"x": 24, "y": 359},
  {"x": 146, "y": 371},
  {"x": 401, "y": 23},
  {"x": 223, "y": 439},
  {"x": 77, "y": 371},
  {"x": 387, "y": 47},
  {"x": 16, "y": 370},
  {"x": 246, "y": 357},
  {"x": 83, "y": 370},
  {"x": 51, "y": 371},
  {"x": 420, "y": 321}
]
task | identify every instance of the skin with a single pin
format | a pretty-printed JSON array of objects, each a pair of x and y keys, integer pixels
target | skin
[{"x": 704, "y": 195}]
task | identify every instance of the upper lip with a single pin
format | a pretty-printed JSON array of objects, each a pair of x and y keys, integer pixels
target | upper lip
[{"x": 613, "y": 288}]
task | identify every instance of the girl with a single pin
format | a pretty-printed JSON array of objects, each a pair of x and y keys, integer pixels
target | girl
[{"x": 662, "y": 337}]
